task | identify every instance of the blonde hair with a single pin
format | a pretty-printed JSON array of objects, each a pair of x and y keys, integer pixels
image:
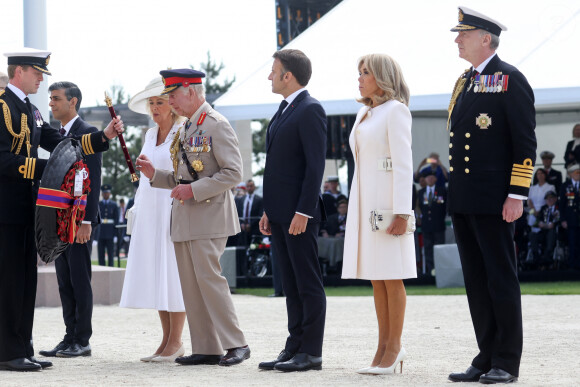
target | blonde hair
[
  {"x": 389, "y": 78},
  {"x": 165, "y": 97}
]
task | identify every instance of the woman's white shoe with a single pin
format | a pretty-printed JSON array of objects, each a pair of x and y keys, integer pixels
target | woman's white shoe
[
  {"x": 148, "y": 358},
  {"x": 171, "y": 358},
  {"x": 364, "y": 370},
  {"x": 390, "y": 370}
]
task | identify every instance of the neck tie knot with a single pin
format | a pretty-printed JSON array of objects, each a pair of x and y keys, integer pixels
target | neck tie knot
[{"x": 62, "y": 131}]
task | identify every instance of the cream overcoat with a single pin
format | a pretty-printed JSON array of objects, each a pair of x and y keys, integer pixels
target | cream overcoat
[
  {"x": 212, "y": 212},
  {"x": 384, "y": 133}
]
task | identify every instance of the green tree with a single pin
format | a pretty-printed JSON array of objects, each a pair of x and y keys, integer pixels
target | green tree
[
  {"x": 259, "y": 146},
  {"x": 212, "y": 71}
]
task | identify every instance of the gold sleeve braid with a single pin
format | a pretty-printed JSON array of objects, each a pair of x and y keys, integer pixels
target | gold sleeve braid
[
  {"x": 27, "y": 169},
  {"x": 522, "y": 174},
  {"x": 174, "y": 150},
  {"x": 86, "y": 144},
  {"x": 24, "y": 135},
  {"x": 457, "y": 89}
]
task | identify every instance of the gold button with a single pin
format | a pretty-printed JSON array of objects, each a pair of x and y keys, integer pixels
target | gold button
[
  {"x": 466, "y": 147},
  {"x": 207, "y": 201},
  {"x": 450, "y": 157},
  {"x": 451, "y": 134},
  {"x": 466, "y": 158},
  {"x": 450, "y": 145},
  {"x": 450, "y": 169},
  {"x": 467, "y": 135},
  {"x": 466, "y": 170}
]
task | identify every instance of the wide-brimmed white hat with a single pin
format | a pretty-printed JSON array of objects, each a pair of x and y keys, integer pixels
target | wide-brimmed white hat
[{"x": 140, "y": 100}]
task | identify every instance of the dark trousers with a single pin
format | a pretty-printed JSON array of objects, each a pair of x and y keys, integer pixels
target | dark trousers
[
  {"x": 431, "y": 239},
  {"x": 108, "y": 244},
  {"x": 574, "y": 247},
  {"x": 546, "y": 237},
  {"x": 17, "y": 290},
  {"x": 276, "y": 280},
  {"x": 486, "y": 250},
  {"x": 73, "y": 272},
  {"x": 297, "y": 257}
]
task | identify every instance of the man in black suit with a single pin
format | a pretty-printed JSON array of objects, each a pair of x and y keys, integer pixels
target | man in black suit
[
  {"x": 250, "y": 210},
  {"x": 331, "y": 196},
  {"x": 22, "y": 131},
  {"x": 570, "y": 214},
  {"x": 553, "y": 176},
  {"x": 433, "y": 207},
  {"x": 492, "y": 151},
  {"x": 73, "y": 267},
  {"x": 293, "y": 210},
  {"x": 109, "y": 211}
]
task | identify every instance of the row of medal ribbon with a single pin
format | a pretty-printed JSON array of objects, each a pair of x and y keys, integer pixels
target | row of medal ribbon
[
  {"x": 198, "y": 144},
  {"x": 496, "y": 83}
]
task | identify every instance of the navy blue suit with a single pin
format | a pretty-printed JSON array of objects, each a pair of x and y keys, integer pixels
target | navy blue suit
[
  {"x": 295, "y": 156},
  {"x": 107, "y": 231},
  {"x": 73, "y": 269}
]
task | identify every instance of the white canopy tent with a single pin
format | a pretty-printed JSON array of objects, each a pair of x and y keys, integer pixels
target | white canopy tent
[{"x": 542, "y": 40}]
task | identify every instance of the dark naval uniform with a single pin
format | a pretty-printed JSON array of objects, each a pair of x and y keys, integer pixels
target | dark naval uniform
[
  {"x": 433, "y": 206},
  {"x": 570, "y": 213},
  {"x": 109, "y": 211},
  {"x": 22, "y": 131},
  {"x": 492, "y": 150}
]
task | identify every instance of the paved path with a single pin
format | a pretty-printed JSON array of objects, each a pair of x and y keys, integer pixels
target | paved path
[{"x": 438, "y": 338}]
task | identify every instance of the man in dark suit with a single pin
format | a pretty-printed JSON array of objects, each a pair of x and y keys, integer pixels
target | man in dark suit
[
  {"x": 335, "y": 224},
  {"x": 491, "y": 152},
  {"x": 109, "y": 211},
  {"x": 570, "y": 214},
  {"x": 250, "y": 209},
  {"x": 73, "y": 268},
  {"x": 293, "y": 210},
  {"x": 22, "y": 131},
  {"x": 331, "y": 196},
  {"x": 433, "y": 207},
  {"x": 553, "y": 176}
]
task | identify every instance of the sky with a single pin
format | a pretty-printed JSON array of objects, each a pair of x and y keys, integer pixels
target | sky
[{"x": 96, "y": 44}]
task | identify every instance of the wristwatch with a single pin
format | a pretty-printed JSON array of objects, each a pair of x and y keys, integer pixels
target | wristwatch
[{"x": 404, "y": 216}]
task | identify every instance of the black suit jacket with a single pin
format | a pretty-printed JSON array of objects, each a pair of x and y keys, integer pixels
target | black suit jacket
[
  {"x": 433, "y": 213},
  {"x": 94, "y": 162},
  {"x": 256, "y": 212},
  {"x": 570, "y": 205},
  {"x": 571, "y": 155},
  {"x": 295, "y": 157},
  {"x": 18, "y": 190},
  {"x": 488, "y": 164}
]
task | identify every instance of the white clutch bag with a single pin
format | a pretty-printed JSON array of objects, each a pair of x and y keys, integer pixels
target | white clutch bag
[
  {"x": 131, "y": 215},
  {"x": 382, "y": 219}
]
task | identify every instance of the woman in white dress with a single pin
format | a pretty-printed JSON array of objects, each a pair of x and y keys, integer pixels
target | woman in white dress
[
  {"x": 151, "y": 278},
  {"x": 537, "y": 194},
  {"x": 383, "y": 178}
]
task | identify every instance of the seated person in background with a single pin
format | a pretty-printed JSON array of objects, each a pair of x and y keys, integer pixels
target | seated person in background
[
  {"x": 336, "y": 223},
  {"x": 572, "y": 153},
  {"x": 536, "y": 195},
  {"x": 331, "y": 195},
  {"x": 433, "y": 207},
  {"x": 570, "y": 214},
  {"x": 547, "y": 219},
  {"x": 432, "y": 163},
  {"x": 553, "y": 176}
]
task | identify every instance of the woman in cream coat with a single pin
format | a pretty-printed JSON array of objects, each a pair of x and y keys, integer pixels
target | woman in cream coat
[{"x": 382, "y": 135}]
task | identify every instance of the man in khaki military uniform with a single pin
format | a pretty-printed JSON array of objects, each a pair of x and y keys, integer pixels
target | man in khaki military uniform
[{"x": 207, "y": 165}]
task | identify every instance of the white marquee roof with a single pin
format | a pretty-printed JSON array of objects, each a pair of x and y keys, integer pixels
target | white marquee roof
[{"x": 542, "y": 40}]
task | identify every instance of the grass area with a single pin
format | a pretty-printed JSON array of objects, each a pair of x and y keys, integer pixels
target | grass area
[
  {"x": 536, "y": 288},
  {"x": 123, "y": 263}
]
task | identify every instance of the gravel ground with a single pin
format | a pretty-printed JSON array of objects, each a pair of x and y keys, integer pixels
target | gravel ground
[{"x": 438, "y": 337}]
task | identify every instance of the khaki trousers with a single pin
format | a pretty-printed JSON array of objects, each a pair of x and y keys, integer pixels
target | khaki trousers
[{"x": 212, "y": 319}]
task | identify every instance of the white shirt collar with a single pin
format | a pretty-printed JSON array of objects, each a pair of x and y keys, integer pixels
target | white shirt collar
[
  {"x": 19, "y": 93},
  {"x": 292, "y": 97},
  {"x": 481, "y": 67},
  {"x": 69, "y": 125}
]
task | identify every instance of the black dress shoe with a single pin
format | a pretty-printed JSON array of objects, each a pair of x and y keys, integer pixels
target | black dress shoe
[
  {"x": 300, "y": 362},
  {"x": 471, "y": 375},
  {"x": 75, "y": 350},
  {"x": 282, "y": 357},
  {"x": 497, "y": 375},
  {"x": 43, "y": 364},
  {"x": 196, "y": 359},
  {"x": 52, "y": 352},
  {"x": 235, "y": 356},
  {"x": 20, "y": 364}
]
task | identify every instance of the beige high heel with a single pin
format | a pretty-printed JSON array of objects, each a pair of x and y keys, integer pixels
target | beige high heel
[
  {"x": 390, "y": 370},
  {"x": 171, "y": 358}
]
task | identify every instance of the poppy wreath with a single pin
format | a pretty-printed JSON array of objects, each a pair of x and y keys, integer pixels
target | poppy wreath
[{"x": 69, "y": 219}]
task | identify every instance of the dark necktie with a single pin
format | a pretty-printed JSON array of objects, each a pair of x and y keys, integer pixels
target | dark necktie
[
  {"x": 247, "y": 210},
  {"x": 281, "y": 108},
  {"x": 62, "y": 131},
  {"x": 28, "y": 104},
  {"x": 430, "y": 196}
]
